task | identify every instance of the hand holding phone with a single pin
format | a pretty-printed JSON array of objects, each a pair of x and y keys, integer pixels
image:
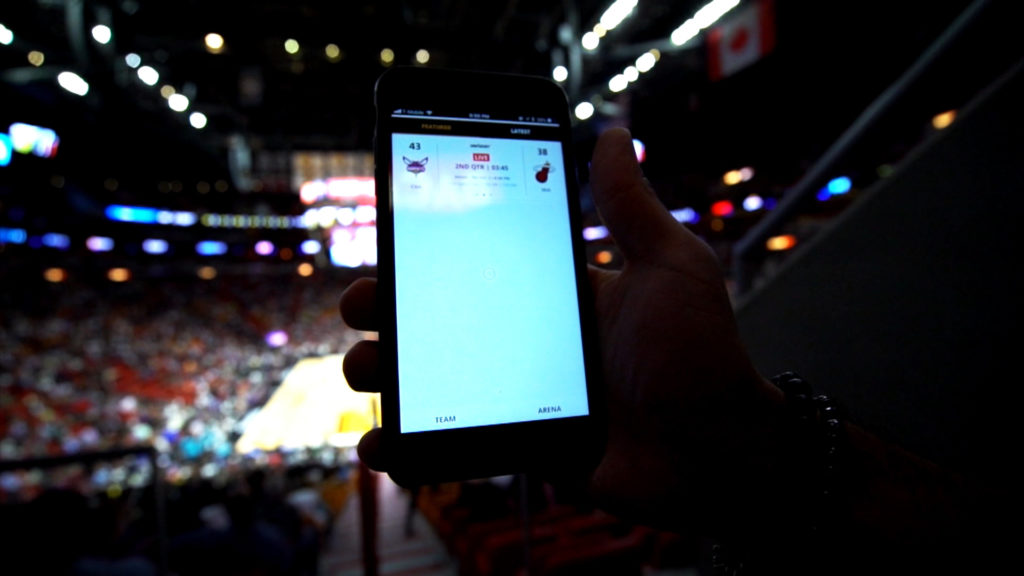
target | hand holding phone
[{"x": 689, "y": 420}]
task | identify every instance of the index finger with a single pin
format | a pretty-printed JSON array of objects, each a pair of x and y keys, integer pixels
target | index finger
[{"x": 358, "y": 305}]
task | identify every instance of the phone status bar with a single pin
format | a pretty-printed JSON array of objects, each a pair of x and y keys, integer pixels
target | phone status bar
[{"x": 475, "y": 117}]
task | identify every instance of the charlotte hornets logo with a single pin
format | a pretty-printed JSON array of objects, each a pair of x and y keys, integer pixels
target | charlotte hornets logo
[{"x": 415, "y": 166}]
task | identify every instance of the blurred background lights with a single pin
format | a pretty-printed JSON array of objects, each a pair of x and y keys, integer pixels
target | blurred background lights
[
  {"x": 422, "y": 56},
  {"x": 704, "y": 18},
  {"x": 178, "y": 102},
  {"x": 264, "y": 248},
  {"x": 99, "y": 243},
  {"x": 387, "y": 56},
  {"x": 291, "y": 46},
  {"x": 36, "y": 58},
  {"x": 640, "y": 150},
  {"x": 101, "y": 33},
  {"x": 154, "y": 246},
  {"x": 133, "y": 60},
  {"x": 214, "y": 43},
  {"x": 752, "y": 203},
  {"x": 944, "y": 119},
  {"x": 56, "y": 240},
  {"x": 560, "y": 73},
  {"x": 618, "y": 83},
  {"x": 722, "y": 208},
  {"x": 211, "y": 248},
  {"x": 603, "y": 257},
  {"x": 732, "y": 177},
  {"x": 310, "y": 247},
  {"x": 206, "y": 272},
  {"x": 276, "y": 338},
  {"x": 592, "y": 233},
  {"x": 6, "y": 35},
  {"x": 305, "y": 269},
  {"x": 685, "y": 215},
  {"x": 590, "y": 41},
  {"x": 6, "y": 149},
  {"x": 840, "y": 185},
  {"x": 148, "y": 75},
  {"x": 167, "y": 91},
  {"x": 198, "y": 121},
  {"x": 333, "y": 52},
  {"x": 780, "y": 242},
  {"x": 73, "y": 83},
  {"x": 55, "y": 275},
  {"x": 616, "y": 13},
  {"x": 119, "y": 275},
  {"x": 645, "y": 62},
  {"x": 584, "y": 110}
]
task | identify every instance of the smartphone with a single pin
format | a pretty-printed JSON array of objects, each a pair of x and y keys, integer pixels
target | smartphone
[{"x": 487, "y": 338}]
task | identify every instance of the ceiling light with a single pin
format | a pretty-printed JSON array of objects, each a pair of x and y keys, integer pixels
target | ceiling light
[
  {"x": 291, "y": 46},
  {"x": 198, "y": 121},
  {"x": 584, "y": 110},
  {"x": 645, "y": 62},
  {"x": 618, "y": 83},
  {"x": 73, "y": 83},
  {"x": 631, "y": 73},
  {"x": 333, "y": 52},
  {"x": 387, "y": 56},
  {"x": 101, "y": 33},
  {"x": 6, "y": 35},
  {"x": 178, "y": 102},
  {"x": 590, "y": 41},
  {"x": 560, "y": 73},
  {"x": 616, "y": 13},
  {"x": 422, "y": 56},
  {"x": 214, "y": 43},
  {"x": 132, "y": 60},
  {"x": 149, "y": 75}
]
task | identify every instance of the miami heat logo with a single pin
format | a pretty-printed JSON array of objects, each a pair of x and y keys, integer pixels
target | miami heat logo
[
  {"x": 415, "y": 166},
  {"x": 541, "y": 172}
]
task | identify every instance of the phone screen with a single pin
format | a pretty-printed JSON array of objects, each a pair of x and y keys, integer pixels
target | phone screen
[{"x": 487, "y": 309}]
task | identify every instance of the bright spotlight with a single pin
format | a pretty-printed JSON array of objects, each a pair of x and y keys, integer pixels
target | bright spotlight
[
  {"x": 197, "y": 120},
  {"x": 590, "y": 41},
  {"x": 178, "y": 102},
  {"x": 101, "y": 33},
  {"x": 149, "y": 75},
  {"x": 584, "y": 110},
  {"x": 560, "y": 73},
  {"x": 645, "y": 62},
  {"x": 214, "y": 43},
  {"x": 6, "y": 35},
  {"x": 73, "y": 83}
]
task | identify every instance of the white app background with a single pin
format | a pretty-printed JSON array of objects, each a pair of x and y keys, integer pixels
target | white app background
[{"x": 488, "y": 318}]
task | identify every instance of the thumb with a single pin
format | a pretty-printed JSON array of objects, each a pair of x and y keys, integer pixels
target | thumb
[{"x": 640, "y": 224}]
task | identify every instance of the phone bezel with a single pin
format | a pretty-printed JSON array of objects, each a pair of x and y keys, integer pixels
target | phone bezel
[{"x": 474, "y": 452}]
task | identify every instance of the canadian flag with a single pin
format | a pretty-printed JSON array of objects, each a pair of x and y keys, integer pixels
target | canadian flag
[{"x": 742, "y": 39}]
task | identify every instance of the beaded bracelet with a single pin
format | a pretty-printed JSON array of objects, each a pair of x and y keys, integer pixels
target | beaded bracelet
[{"x": 818, "y": 425}]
